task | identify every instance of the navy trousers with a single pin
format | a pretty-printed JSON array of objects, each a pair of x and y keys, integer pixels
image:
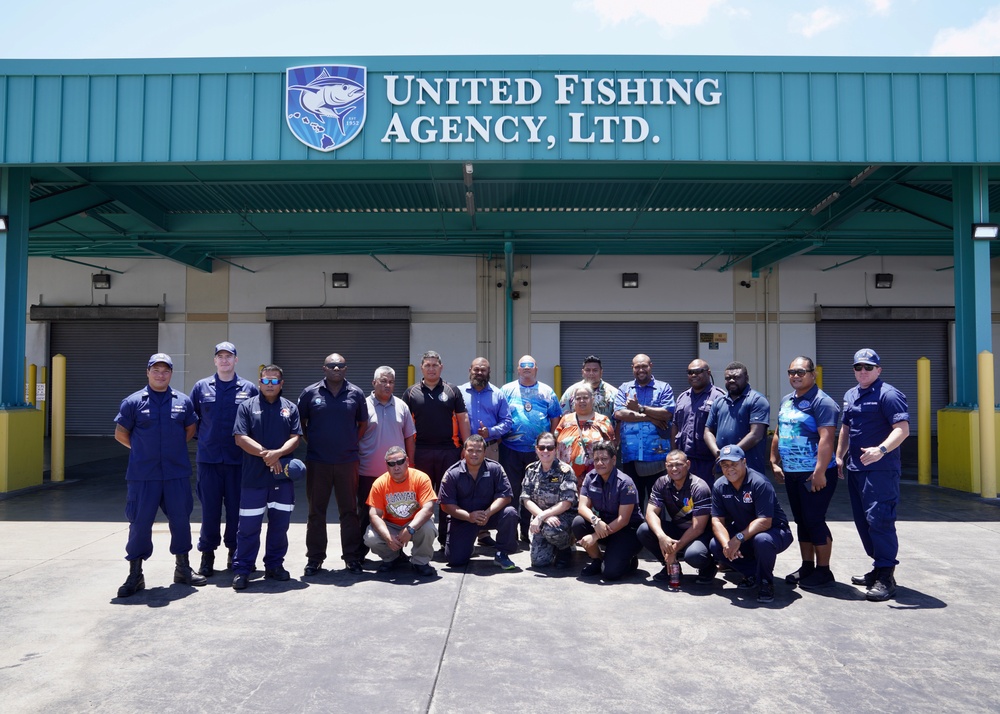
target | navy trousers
[
  {"x": 278, "y": 501},
  {"x": 143, "y": 500},
  {"x": 218, "y": 488}
]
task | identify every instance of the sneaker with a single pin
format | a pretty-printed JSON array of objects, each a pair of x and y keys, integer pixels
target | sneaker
[
  {"x": 240, "y": 581},
  {"x": 663, "y": 576},
  {"x": 279, "y": 574},
  {"x": 766, "y": 591},
  {"x": 387, "y": 566},
  {"x": 424, "y": 570},
  {"x": 884, "y": 586},
  {"x": 355, "y": 567},
  {"x": 486, "y": 541},
  {"x": 503, "y": 561},
  {"x": 594, "y": 568},
  {"x": 313, "y": 567},
  {"x": 805, "y": 571},
  {"x": 747, "y": 583},
  {"x": 868, "y": 579},
  {"x": 820, "y": 578},
  {"x": 707, "y": 575}
]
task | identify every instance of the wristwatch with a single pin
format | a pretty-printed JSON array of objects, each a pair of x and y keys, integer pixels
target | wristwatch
[
  {"x": 739, "y": 536},
  {"x": 409, "y": 529},
  {"x": 883, "y": 450},
  {"x": 594, "y": 519}
]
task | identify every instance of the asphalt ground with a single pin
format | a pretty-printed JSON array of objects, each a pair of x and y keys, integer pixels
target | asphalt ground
[{"x": 480, "y": 639}]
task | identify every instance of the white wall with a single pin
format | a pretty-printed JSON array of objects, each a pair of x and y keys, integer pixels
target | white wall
[{"x": 145, "y": 281}]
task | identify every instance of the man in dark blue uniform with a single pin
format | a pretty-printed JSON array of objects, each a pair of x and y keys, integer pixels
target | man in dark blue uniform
[
  {"x": 334, "y": 415},
  {"x": 749, "y": 526},
  {"x": 687, "y": 430},
  {"x": 266, "y": 429},
  {"x": 875, "y": 423},
  {"x": 219, "y": 459},
  {"x": 740, "y": 417},
  {"x": 156, "y": 423}
]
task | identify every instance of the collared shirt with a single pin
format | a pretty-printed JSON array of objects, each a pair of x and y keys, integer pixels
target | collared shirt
[
  {"x": 434, "y": 413},
  {"x": 690, "y": 417},
  {"x": 532, "y": 409},
  {"x": 680, "y": 506},
  {"x": 458, "y": 488},
  {"x": 754, "y": 499},
  {"x": 157, "y": 424},
  {"x": 575, "y": 439},
  {"x": 730, "y": 420},
  {"x": 400, "y": 502},
  {"x": 799, "y": 422},
  {"x": 331, "y": 421},
  {"x": 606, "y": 497},
  {"x": 487, "y": 408},
  {"x": 642, "y": 440},
  {"x": 270, "y": 424},
  {"x": 604, "y": 398},
  {"x": 547, "y": 488},
  {"x": 389, "y": 424},
  {"x": 215, "y": 403},
  {"x": 870, "y": 414}
]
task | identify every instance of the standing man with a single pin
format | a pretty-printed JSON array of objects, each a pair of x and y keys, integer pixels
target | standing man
[
  {"x": 489, "y": 413},
  {"x": 604, "y": 393},
  {"x": 875, "y": 424},
  {"x": 267, "y": 429},
  {"x": 802, "y": 458},
  {"x": 402, "y": 511},
  {"x": 534, "y": 408},
  {"x": 155, "y": 424},
  {"x": 220, "y": 460},
  {"x": 687, "y": 431},
  {"x": 476, "y": 494},
  {"x": 749, "y": 526},
  {"x": 389, "y": 424},
  {"x": 334, "y": 416},
  {"x": 740, "y": 417},
  {"x": 439, "y": 414},
  {"x": 645, "y": 409}
]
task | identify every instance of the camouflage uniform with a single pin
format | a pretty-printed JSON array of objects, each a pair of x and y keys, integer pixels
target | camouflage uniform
[{"x": 546, "y": 489}]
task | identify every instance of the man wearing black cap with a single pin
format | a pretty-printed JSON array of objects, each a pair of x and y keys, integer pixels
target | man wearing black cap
[
  {"x": 155, "y": 424},
  {"x": 875, "y": 423},
  {"x": 219, "y": 459}
]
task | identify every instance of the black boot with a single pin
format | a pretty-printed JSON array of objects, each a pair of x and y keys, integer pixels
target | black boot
[
  {"x": 207, "y": 567},
  {"x": 229, "y": 560},
  {"x": 184, "y": 574},
  {"x": 135, "y": 581},
  {"x": 884, "y": 586}
]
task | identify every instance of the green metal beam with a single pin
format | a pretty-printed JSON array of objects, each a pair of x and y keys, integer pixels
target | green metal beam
[
  {"x": 56, "y": 207},
  {"x": 138, "y": 205},
  {"x": 195, "y": 259},
  {"x": 781, "y": 252},
  {"x": 916, "y": 202}
]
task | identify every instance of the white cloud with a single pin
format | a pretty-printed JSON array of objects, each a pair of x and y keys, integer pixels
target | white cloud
[
  {"x": 980, "y": 39},
  {"x": 666, "y": 13},
  {"x": 817, "y": 21},
  {"x": 879, "y": 7}
]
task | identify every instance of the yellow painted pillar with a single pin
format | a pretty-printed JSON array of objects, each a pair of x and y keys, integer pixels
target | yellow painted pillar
[
  {"x": 923, "y": 420},
  {"x": 819, "y": 376},
  {"x": 29, "y": 396},
  {"x": 987, "y": 433},
  {"x": 57, "y": 460},
  {"x": 557, "y": 380},
  {"x": 43, "y": 399},
  {"x": 411, "y": 375}
]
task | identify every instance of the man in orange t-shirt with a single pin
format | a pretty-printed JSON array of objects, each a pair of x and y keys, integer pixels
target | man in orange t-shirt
[{"x": 402, "y": 505}]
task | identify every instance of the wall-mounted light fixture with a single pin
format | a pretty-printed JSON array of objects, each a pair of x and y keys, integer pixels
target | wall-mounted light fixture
[
  {"x": 630, "y": 280},
  {"x": 341, "y": 280},
  {"x": 985, "y": 231},
  {"x": 883, "y": 281},
  {"x": 101, "y": 281},
  {"x": 4, "y": 222}
]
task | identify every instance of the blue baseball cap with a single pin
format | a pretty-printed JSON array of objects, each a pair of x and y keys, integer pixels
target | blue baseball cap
[
  {"x": 866, "y": 356},
  {"x": 225, "y": 347},
  {"x": 731, "y": 453},
  {"x": 160, "y": 357},
  {"x": 293, "y": 469}
]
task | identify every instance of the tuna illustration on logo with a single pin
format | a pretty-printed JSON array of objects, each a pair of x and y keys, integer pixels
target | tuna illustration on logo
[{"x": 326, "y": 104}]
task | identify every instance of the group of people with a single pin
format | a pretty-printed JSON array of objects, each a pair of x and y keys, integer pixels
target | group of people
[{"x": 612, "y": 470}]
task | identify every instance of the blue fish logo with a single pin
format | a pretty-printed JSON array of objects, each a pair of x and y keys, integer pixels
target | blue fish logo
[{"x": 325, "y": 105}]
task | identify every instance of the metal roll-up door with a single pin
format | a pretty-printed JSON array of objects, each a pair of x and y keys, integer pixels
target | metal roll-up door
[
  {"x": 105, "y": 362},
  {"x": 670, "y": 345},
  {"x": 899, "y": 343},
  {"x": 299, "y": 348}
]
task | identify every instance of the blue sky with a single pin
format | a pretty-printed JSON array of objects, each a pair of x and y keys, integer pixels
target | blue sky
[{"x": 250, "y": 28}]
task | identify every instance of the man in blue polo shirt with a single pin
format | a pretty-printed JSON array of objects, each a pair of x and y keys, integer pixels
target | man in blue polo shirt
[
  {"x": 748, "y": 525},
  {"x": 334, "y": 417},
  {"x": 875, "y": 423},
  {"x": 687, "y": 430},
  {"x": 155, "y": 424},
  {"x": 740, "y": 418},
  {"x": 220, "y": 460},
  {"x": 267, "y": 430}
]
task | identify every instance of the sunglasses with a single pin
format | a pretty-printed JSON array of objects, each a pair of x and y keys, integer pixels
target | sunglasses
[
  {"x": 865, "y": 367},
  {"x": 526, "y": 365},
  {"x": 546, "y": 447},
  {"x": 336, "y": 365},
  {"x": 397, "y": 462},
  {"x": 270, "y": 380},
  {"x": 799, "y": 372},
  {"x": 695, "y": 372}
]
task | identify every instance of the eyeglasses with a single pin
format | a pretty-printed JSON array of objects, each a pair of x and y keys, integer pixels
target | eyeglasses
[
  {"x": 799, "y": 372},
  {"x": 865, "y": 367},
  {"x": 695, "y": 372},
  {"x": 336, "y": 365},
  {"x": 270, "y": 380},
  {"x": 397, "y": 462},
  {"x": 546, "y": 447}
]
